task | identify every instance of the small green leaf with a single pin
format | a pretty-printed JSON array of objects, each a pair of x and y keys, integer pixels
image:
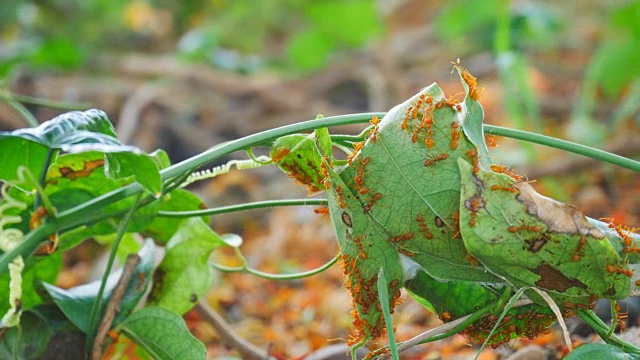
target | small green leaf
[
  {"x": 141, "y": 167},
  {"x": 298, "y": 157},
  {"x": 163, "y": 334},
  {"x": 600, "y": 352},
  {"x": 184, "y": 275}
]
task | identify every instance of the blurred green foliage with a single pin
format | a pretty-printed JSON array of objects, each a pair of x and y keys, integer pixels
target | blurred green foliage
[{"x": 240, "y": 35}]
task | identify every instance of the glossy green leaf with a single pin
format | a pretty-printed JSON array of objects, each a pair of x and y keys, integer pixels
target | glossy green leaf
[
  {"x": 77, "y": 132},
  {"x": 76, "y": 303},
  {"x": 184, "y": 275},
  {"x": 139, "y": 166},
  {"x": 163, "y": 334}
]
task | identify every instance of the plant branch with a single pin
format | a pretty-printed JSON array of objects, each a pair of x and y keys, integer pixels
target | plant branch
[{"x": 122, "y": 228}]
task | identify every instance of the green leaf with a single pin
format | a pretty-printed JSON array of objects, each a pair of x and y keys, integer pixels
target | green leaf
[
  {"x": 78, "y": 132},
  {"x": 184, "y": 275},
  {"x": 531, "y": 240},
  {"x": 24, "y": 153},
  {"x": 600, "y": 352},
  {"x": 42, "y": 328},
  {"x": 76, "y": 178},
  {"x": 141, "y": 167},
  {"x": 451, "y": 300},
  {"x": 76, "y": 303},
  {"x": 297, "y": 156},
  {"x": 163, "y": 334},
  {"x": 405, "y": 179},
  {"x": 28, "y": 341},
  {"x": 162, "y": 229},
  {"x": 72, "y": 128},
  {"x": 365, "y": 248},
  {"x": 37, "y": 270}
]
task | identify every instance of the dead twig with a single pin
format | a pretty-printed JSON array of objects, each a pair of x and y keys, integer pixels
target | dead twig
[
  {"x": 113, "y": 307},
  {"x": 230, "y": 337}
]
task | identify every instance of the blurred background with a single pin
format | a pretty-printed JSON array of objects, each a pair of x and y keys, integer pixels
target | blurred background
[{"x": 186, "y": 75}]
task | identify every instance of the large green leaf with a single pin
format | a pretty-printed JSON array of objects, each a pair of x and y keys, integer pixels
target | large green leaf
[
  {"x": 76, "y": 132},
  {"x": 76, "y": 303},
  {"x": 184, "y": 275},
  {"x": 163, "y": 334},
  {"x": 406, "y": 179}
]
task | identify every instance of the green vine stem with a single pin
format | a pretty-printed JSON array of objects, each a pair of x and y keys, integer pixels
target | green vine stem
[
  {"x": 246, "y": 269},
  {"x": 242, "y": 207},
  {"x": 61, "y": 105},
  {"x": 589, "y": 317},
  {"x": 564, "y": 145},
  {"x": 91, "y": 210},
  {"x": 94, "y": 316}
]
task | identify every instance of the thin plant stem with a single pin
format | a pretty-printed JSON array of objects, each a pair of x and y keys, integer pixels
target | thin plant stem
[
  {"x": 564, "y": 145},
  {"x": 589, "y": 317},
  {"x": 269, "y": 276},
  {"x": 23, "y": 111},
  {"x": 242, "y": 207},
  {"x": 95, "y": 310}
]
